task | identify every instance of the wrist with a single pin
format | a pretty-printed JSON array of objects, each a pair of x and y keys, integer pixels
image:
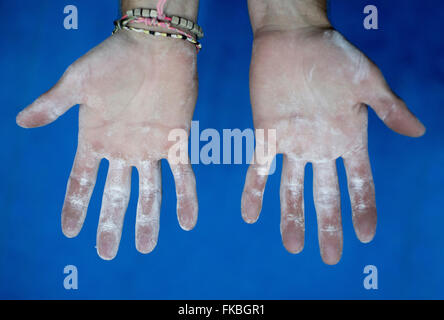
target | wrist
[
  {"x": 181, "y": 11},
  {"x": 287, "y": 15},
  {"x": 172, "y": 18}
]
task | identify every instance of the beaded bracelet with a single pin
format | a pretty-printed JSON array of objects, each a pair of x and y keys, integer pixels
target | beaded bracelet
[
  {"x": 151, "y": 22},
  {"x": 174, "y": 20},
  {"x": 158, "y": 18},
  {"x": 157, "y": 33}
]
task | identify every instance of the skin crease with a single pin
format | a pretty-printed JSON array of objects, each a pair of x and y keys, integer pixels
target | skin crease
[
  {"x": 311, "y": 85},
  {"x": 133, "y": 89}
]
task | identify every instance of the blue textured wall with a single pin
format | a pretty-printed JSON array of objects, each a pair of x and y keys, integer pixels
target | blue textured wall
[{"x": 223, "y": 257}]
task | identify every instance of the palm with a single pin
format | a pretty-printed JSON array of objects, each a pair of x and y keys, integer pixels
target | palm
[
  {"x": 133, "y": 90},
  {"x": 137, "y": 96},
  {"x": 312, "y": 87}
]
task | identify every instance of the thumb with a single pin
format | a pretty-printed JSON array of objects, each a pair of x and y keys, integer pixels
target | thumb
[
  {"x": 52, "y": 104},
  {"x": 392, "y": 110}
]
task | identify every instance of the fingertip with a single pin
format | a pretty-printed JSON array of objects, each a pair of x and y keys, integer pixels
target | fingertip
[
  {"x": 28, "y": 121},
  {"x": 331, "y": 253},
  {"x": 331, "y": 259},
  {"x": 106, "y": 246},
  {"x": 20, "y": 120},
  {"x": 414, "y": 129},
  {"x": 249, "y": 220},
  {"x": 146, "y": 237},
  {"x": 292, "y": 247},
  {"x": 365, "y": 221},
  {"x": 250, "y": 215},
  {"x": 251, "y": 206},
  {"x": 143, "y": 250},
  {"x": 293, "y": 240},
  {"x": 366, "y": 236},
  {"x": 332, "y": 262},
  {"x": 70, "y": 233},
  {"x": 70, "y": 224},
  {"x": 187, "y": 226},
  {"x": 421, "y": 130},
  {"x": 366, "y": 239},
  {"x": 397, "y": 116},
  {"x": 187, "y": 219},
  {"x": 146, "y": 247},
  {"x": 106, "y": 258}
]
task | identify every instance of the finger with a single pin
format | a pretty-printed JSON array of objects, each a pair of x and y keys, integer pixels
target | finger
[
  {"x": 148, "y": 207},
  {"x": 391, "y": 109},
  {"x": 186, "y": 195},
  {"x": 362, "y": 194},
  {"x": 251, "y": 204},
  {"x": 292, "y": 205},
  {"x": 78, "y": 192},
  {"x": 52, "y": 104},
  {"x": 328, "y": 211},
  {"x": 114, "y": 204}
]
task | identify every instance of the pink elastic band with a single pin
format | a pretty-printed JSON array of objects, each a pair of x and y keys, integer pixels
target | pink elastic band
[
  {"x": 166, "y": 25},
  {"x": 160, "y": 6}
]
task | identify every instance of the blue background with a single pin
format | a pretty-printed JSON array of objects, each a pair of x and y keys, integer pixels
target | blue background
[{"x": 222, "y": 257}]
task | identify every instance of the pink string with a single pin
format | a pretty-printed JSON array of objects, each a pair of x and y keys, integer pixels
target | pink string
[
  {"x": 162, "y": 17},
  {"x": 155, "y": 22},
  {"x": 160, "y": 7}
]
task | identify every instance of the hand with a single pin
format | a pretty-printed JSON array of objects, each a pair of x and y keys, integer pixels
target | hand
[
  {"x": 312, "y": 86},
  {"x": 132, "y": 90}
]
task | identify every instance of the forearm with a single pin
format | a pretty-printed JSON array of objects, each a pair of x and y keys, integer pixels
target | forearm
[
  {"x": 287, "y": 14},
  {"x": 184, "y": 8}
]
